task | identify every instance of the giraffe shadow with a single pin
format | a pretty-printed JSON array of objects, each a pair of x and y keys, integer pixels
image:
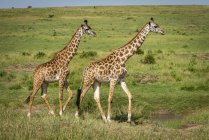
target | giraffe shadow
[{"x": 122, "y": 118}]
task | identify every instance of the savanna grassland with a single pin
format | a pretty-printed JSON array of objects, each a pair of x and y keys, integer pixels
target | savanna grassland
[{"x": 168, "y": 77}]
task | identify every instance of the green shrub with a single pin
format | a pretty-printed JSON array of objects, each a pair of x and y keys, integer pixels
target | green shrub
[
  {"x": 88, "y": 54},
  {"x": 148, "y": 59},
  {"x": 54, "y": 33},
  {"x": 39, "y": 55},
  {"x": 188, "y": 88},
  {"x": 25, "y": 53},
  {"x": 15, "y": 87},
  {"x": 159, "y": 51},
  {"x": 175, "y": 75},
  {"x": 191, "y": 65},
  {"x": 50, "y": 15},
  {"x": 3, "y": 73},
  {"x": 139, "y": 51},
  {"x": 185, "y": 46},
  {"x": 202, "y": 87}
]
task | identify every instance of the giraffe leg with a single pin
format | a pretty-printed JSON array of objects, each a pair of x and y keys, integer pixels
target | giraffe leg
[
  {"x": 125, "y": 88},
  {"x": 112, "y": 87},
  {"x": 61, "y": 85},
  {"x": 43, "y": 96},
  {"x": 80, "y": 98},
  {"x": 36, "y": 87},
  {"x": 70, "y": 94},
  {"x": 97, "y": 99}
]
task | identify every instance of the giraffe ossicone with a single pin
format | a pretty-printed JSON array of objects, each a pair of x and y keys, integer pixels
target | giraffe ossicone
[
  {"x": 112, "y": 69},
  {"x": 57, "y": 70}
]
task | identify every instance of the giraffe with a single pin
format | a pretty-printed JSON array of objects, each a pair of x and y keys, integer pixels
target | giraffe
[
  {"x": 57, "y": 70},
  {"x": 112, "y": 69}
]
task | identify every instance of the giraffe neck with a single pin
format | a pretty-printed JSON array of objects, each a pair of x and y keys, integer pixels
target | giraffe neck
[
  {"x": 130, "y": 48},
  {"x": 67, "y": 53}
]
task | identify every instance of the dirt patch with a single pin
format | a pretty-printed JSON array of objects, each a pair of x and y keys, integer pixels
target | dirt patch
[
  {"x": 190, "y": 126},
  {"x": 21, "y": 67},
  {"x": 35, "y": 108},
  {"x": 203, "y": 56},
  {"x": 187, "y": 129},
  {"x": 164, "y": 115}
]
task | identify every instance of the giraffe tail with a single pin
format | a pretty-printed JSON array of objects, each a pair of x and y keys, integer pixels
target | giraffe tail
[{"x": 78, "y": 96}]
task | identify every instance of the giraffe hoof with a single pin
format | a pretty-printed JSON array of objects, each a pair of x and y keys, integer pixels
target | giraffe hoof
[
  {"x": 51, "y": 113},
  {"x": 109, "y": 120},
  {"x": 28, "y": 115},
  {"x": 60, "y": 113},
  {"x": 104, "y": 119},
  {"x": 77, "y": 115}
]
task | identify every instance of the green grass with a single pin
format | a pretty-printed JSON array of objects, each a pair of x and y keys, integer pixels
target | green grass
[{"x": 170, "y": 91}]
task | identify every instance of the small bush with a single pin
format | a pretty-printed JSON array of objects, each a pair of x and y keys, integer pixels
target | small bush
[
  {"x": 185, "y": 46},
  {"x": 159, "y": 51},
  {"x": 137, "y": 30},
  {"x": 130, "y": 18},
  {"x": 188, "y": 88},
  {"x": 191, "y": 65},
  {"x": 25, "y": 53},
  {"x": 50, "y": 15},
  {"x": 183, "y": 33},
  {"x": 148, "y": 59},
  {"x": 54, "y": 33},
  {"x": 203, "y": 87},
  {"x": 15, "y": 87},
  {"x": 40, "y": 55},
  {"x": 3, "y": 73},
  {"x": 139, "y": 51},
  {"x": 175, "y": 75},
  {"x": 88, "y": 54}
]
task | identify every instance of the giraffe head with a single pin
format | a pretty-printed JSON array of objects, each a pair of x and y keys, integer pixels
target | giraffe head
[
  {"x": 86, "y": 29},
  {"x": 153, "y": 27}
]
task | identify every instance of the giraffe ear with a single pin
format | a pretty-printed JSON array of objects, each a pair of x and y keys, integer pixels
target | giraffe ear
[
  {"x": 86, "y": 21},
  {"x": 152, "y": 19}
]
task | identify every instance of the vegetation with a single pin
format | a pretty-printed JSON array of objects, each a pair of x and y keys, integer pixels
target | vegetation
[
  {"x": 170, "y": 95},
  {"x": 88, "y": 54}
]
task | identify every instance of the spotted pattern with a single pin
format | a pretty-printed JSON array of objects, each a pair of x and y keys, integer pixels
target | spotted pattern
[
  {"x": 57, "y": 70},
  {"x": 112, "y": 69}
]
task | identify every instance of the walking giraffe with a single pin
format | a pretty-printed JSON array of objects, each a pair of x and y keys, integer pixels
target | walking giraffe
[
  {"x": 112, "y": 69},
  {"x": 57, "y": 70}
]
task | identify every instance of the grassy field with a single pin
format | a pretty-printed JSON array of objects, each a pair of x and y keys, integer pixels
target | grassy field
[{"x": 170, "y": 91}]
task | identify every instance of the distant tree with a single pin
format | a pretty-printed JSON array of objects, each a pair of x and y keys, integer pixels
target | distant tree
[
  {"x": 13, "y": 7},
  {"x": 29, "y": 6}
]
